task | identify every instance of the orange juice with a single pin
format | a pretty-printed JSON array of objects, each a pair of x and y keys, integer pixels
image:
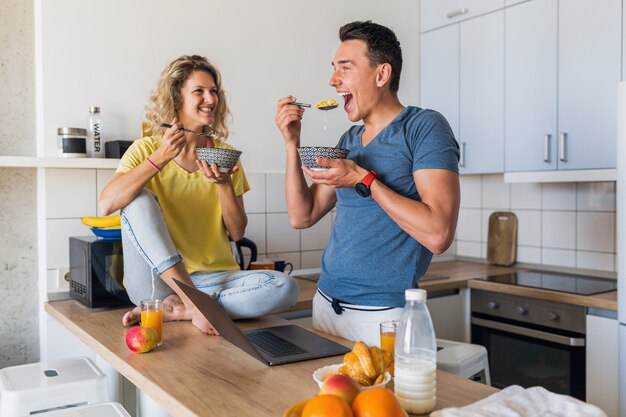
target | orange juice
[
  {"x": 154, "y": 320},
  {"x": 387, "y": 341}
]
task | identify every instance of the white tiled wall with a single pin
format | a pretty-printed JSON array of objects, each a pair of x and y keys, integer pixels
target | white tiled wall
[{"x": 559, "y": 224}]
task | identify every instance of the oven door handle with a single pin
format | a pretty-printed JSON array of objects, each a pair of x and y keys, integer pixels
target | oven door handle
[{"x": 523, "y": 331}]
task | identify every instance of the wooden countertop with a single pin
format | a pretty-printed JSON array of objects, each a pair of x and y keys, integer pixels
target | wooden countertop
[
  {"x": 198, "y": 375},
  {"x": 462, "y": 274}
]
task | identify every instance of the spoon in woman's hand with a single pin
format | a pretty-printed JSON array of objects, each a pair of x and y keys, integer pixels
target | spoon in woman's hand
[{"x": 208, "y": 134}]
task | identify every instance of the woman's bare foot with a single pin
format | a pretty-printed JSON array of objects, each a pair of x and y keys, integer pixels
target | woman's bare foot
[{"x": 174, "y": 310}]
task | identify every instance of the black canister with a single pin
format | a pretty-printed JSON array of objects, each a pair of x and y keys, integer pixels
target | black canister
[{"x": 72, "y": 142}]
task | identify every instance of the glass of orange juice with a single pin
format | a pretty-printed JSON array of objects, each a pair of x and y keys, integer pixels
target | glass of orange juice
[
  {"x": 388, "y": 339},
  {"x": 152, "y": 316}
]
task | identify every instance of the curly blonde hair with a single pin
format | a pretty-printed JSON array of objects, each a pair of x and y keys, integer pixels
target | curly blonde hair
[{"x": 165, "y": 100}]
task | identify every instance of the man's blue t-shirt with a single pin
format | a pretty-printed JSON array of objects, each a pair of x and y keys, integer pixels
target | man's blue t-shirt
[{"x": 369, "y": 259}]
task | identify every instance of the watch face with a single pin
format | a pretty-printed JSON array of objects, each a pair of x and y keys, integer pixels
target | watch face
[{"x": 362, "y": 189}]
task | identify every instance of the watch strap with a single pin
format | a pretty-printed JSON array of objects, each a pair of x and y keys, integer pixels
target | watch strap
[{"x": 369, "y": 178}]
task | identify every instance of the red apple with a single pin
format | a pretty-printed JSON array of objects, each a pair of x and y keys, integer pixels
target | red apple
[
  {"x": 342, "y": 386},
  {"x": 141, "y": 339}
]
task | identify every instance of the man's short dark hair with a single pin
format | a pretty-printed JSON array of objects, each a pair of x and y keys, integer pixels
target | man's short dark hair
[{"x": 382, "y": 46}]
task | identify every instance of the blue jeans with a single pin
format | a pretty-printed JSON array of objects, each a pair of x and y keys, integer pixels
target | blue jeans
[{"x": 149, "y": 251}]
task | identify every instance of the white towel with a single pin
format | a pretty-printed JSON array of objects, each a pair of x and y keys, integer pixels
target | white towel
[{"x": 515, "y": 401}]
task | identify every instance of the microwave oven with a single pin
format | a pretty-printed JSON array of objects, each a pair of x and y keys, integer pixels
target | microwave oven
[{"x": 97, "y": 272}]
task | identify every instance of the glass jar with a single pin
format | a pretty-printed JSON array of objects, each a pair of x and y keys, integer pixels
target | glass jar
[{"x": 72, "y": 142}]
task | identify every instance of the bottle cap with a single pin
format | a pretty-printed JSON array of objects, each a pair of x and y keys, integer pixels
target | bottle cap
[
  {"x": 94, "y": 109},
  {"x": 415, "y": 294}
]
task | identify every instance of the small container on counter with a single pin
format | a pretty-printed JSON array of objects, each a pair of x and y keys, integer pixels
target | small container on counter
[{"x": 72, "y": 142}]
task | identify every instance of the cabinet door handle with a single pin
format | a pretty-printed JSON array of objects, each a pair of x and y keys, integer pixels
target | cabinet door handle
[
  {"x": 462, "y": 155},
  {"x": 562, "y": 145},
  {"x": 458, "y": 12},
  {"x": 546, "y": 147}
]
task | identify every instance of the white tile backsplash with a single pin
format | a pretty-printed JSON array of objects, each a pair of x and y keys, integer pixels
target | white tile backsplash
[
  {"x": 471, "y": 191},
  {"x": 471, "y": 249},
  {"x": 558, "y": 229},
  {"x": 275, "y": 193},
  {"x": 254, "y": 200},
  {"x": 526, "y": 196},
  {"x": 469, "y": 225},
  {"x": 595, "y": 260},
  {"x": 559, "y": 196},
  {"x": 256, "y": 231},
  {"x": 528, "y": 227},
  {"x": 559, "y": 224},
  {"x": 595, "y": 231},
  {"x": 596, "y": 196},
  {"x": 528, "y": 254},
  {"x": 311, "y": 259},
  {"x": 558, "y": 257},
  {"x": 281, "y": 237},
  {"x": 70, "y": 193},
  {"x": 496, "y": 193},
  {"x": 316, "y": 237},
  {"x": 103, "y": 176},
  {"x": 58, "y": 232}
]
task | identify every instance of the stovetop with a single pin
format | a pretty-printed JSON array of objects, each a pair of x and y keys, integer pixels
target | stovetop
[{"x": 556, "y": 281}]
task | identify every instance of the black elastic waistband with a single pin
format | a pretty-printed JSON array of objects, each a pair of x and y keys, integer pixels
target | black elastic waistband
[{"x": 339, "y": 306}]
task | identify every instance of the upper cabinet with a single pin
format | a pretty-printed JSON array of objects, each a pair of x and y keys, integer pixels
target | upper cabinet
[
  {"x": 561, "y": 78},
  {"x": 462, "y": 67},
  {"x": 527, "y": 85},
  {"x": 437, "y": 13}
]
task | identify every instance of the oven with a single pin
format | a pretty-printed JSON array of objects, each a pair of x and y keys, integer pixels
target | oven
[{"x": 531, "y": 342}]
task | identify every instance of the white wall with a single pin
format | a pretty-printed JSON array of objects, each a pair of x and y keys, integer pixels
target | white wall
[{"x": 110, "y": 53}]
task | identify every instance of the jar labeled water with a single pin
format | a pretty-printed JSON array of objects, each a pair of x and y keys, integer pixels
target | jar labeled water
[{"x": 416, "y": 356}]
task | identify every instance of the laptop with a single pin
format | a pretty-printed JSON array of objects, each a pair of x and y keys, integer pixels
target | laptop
[{"x": 270, "y": 345}]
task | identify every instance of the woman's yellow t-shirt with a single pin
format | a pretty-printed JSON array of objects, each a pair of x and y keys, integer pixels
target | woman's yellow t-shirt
[{"x": 191, "y": 208}]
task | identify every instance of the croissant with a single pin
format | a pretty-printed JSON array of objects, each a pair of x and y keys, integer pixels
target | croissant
[{"x": 365, "y": 364}]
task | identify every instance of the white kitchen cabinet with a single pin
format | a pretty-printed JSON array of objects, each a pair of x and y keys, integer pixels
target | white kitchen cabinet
[
  {"x": 481, "y": 96},
  {"x": 440, "y": 73},
  {"x": 531, "y": 86},
  {"x": 462, "y": 77},
  {"x": 602, "y": 363},
  {"x": 436, "y": 13},
  {"x": 562, "y": 63},
  {"x": 449, "y": 311}
]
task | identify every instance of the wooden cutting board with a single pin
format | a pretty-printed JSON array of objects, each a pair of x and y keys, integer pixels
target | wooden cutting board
[{"x": 502, "y": 238}]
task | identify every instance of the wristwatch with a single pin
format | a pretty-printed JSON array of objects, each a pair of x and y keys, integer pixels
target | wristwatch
[{"x": 363, "y": 187}]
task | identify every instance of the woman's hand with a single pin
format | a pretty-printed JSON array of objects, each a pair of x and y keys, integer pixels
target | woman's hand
[
  {"x": 213, "y": 174},
  {"x": 173, "y": 142},
  {"x": 288, "y": 119}
]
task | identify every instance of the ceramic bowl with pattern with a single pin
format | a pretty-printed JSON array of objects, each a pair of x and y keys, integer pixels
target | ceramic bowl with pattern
[
  {"x": 224, "y": 158},
  {"x": 308, "y": 155}
]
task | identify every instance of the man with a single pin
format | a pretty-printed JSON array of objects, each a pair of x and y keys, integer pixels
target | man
[{"x": 396, "y": 196}]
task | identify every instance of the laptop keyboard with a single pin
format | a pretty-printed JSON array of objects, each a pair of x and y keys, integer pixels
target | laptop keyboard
[{"x": 273, "y": 345}]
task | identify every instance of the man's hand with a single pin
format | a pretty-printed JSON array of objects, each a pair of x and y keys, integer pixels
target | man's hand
[
  {"x": 342, "y": 173},
  {"x": 288, "y": 120}
]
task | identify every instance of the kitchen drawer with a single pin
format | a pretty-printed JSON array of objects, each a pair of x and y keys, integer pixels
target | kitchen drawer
[{"x": 436, "y": 13}]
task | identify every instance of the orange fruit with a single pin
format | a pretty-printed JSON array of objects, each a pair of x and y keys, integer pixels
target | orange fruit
[
  {"x": 377, "y": 402},
  {"x": 327, "y": 405}
]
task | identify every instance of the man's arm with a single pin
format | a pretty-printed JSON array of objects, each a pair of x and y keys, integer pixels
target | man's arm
[
  {"x": 305, "y": 206},
  {"x": 432, "y": 222}
]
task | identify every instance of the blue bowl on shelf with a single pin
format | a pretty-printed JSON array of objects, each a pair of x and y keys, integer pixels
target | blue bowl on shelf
[{"x": 107, "y": 234}]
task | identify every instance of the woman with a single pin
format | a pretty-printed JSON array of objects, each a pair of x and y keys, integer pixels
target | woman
[{"x": 178, "y": 213}]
